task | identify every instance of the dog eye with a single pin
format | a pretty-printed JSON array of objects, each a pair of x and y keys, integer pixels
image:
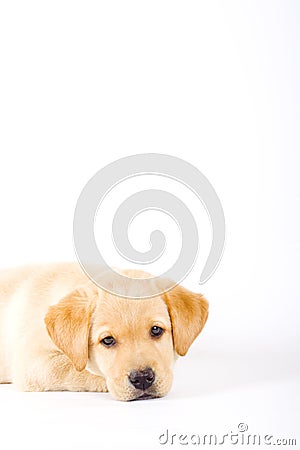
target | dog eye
[
  {"x": 108, "y": 341},
  {"x": 156, "y": 331}
]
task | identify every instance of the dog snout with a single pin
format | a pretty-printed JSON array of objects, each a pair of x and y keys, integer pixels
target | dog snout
[{"x": 142, "y": 379}]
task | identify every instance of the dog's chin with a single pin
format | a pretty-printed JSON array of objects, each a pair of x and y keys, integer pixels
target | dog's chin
[
  {"x": 145, "y": 396},
  {"x": 134, "y": 396}
]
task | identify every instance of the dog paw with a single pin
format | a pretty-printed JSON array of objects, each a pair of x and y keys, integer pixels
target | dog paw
[{"x": 99, "y": 385}]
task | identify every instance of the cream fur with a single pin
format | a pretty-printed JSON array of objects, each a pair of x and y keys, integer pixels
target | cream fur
[{"x": 52, "y": 320}]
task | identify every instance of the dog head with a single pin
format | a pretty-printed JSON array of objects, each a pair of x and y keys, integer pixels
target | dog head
[{"x": 132, "y": 343}]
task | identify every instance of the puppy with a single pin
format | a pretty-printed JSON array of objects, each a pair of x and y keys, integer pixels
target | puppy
[{"x": 59, "y": 331}]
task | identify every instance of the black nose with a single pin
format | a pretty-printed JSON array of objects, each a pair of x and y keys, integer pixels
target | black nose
[{"x": 142, "y": 379}]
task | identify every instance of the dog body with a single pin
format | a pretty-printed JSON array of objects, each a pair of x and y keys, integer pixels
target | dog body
[{"x": 59, "y": 331}]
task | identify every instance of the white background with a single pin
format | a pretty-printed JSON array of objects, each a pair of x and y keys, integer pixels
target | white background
[{"x": 215, "y": 83}]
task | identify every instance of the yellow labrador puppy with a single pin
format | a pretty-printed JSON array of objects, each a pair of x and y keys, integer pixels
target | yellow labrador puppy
[{"x": 59, "y": 331}]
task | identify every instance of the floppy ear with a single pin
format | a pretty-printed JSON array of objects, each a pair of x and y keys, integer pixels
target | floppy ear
[
  {"x": 68, "y": 324},
  {"x": 188, "y": 312}
]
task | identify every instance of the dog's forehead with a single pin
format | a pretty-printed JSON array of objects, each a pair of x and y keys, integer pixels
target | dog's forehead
[{"x": 113, "y": 309}]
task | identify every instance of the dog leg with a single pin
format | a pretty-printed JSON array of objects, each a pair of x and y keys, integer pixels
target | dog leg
[{"x": 55, "y": 372}]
